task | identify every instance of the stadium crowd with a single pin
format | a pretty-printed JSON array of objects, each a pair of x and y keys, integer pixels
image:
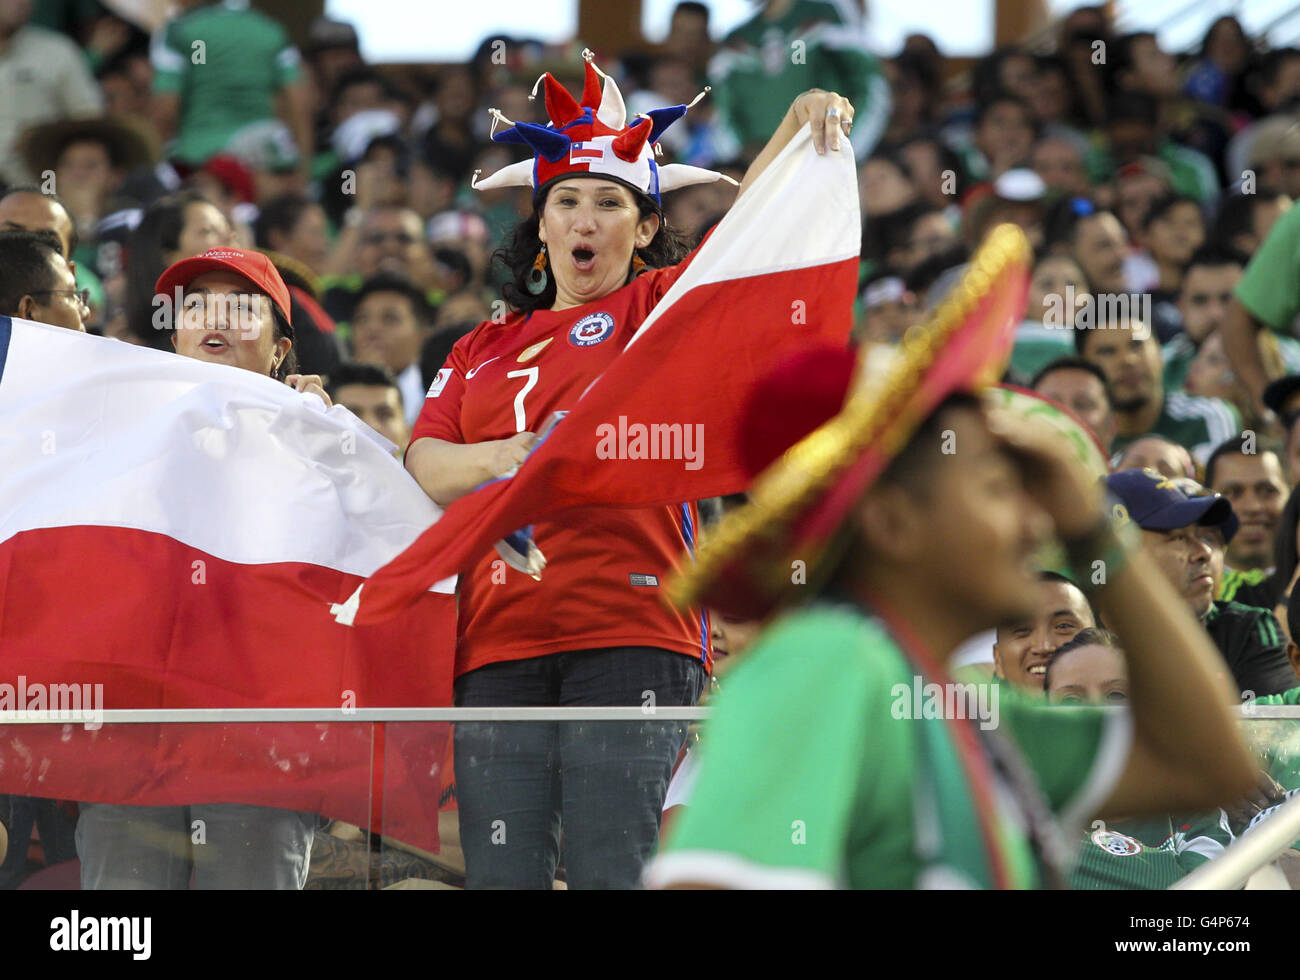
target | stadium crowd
[{"x": 1154, "y": 187}]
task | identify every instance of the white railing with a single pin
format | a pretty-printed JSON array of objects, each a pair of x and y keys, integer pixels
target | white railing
[
  {"x": 246, "y": 715},
  {"x": 1255, "y": 712}
]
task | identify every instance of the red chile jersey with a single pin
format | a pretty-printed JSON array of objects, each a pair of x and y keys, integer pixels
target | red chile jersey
[{"x": 606, "y": 567}]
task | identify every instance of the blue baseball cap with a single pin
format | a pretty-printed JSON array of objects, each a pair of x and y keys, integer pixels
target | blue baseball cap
[{"x": 1157, "y": 503}]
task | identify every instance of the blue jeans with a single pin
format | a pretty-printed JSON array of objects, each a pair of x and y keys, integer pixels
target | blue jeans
[
  {"x": 225, "y": 845},
  {"x": 603, "y": 782}
]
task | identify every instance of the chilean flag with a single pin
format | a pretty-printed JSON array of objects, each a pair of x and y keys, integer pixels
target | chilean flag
[
  {"x": 175, "y": 531},
  {"x": 778, "y": 273},
  {"x": 586, "y": 152}
]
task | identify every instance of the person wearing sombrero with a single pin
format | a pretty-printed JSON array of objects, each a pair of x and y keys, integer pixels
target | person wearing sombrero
[
  {"x": 90, "y": 158},
  {"x": 894, "y": 514}
]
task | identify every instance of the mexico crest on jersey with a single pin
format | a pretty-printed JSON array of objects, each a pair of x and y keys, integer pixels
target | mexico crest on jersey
[
  {"x": 591, "y": 330},
  {"x": 1118, "y": 845}
]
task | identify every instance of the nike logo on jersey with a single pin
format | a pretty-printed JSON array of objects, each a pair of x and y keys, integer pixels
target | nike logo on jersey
[
  {"x": 531, "y": 352},
  {"x": 470, "y": 374}
]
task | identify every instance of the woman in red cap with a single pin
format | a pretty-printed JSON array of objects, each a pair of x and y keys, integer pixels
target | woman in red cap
[
  {"x": 234, "y": 309},
  {"x": 587, "y": 267},
  {"x": 228, "y": 306}
]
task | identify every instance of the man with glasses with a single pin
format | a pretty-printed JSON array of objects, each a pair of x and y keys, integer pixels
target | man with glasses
[
  {"x": 28, "y": 208},
  {"x": 1186, "y": 535},
  {"x": 36, "y": 283},
  {"x": 385, "y": 239}
]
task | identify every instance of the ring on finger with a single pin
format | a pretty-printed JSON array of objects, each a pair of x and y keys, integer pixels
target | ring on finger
[{"x": 832, "y": 113}]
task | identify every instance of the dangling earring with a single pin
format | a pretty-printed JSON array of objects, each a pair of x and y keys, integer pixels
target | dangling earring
[
  {"x": 638, "y": 265},
  {"x": 537, "y": 278}
]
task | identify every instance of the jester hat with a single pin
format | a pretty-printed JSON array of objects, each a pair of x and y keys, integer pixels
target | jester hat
[{"x": 592, "y": 136}]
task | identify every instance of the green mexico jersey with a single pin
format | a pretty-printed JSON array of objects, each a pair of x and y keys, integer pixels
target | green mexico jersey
[
  {"x": 1190, "y": 172},
  {"x": 817, "y": 767},
  {"x": 1179, "y": 353},
  {"x": 227, "y": 63},
  {"x": 1237, "y": 579},
  {"x": 1199, "y": 424},
  {"x": 763, "y": 64},
  {"x": 1146, "y": 854},
  {"x": 1037, "y": 346}
]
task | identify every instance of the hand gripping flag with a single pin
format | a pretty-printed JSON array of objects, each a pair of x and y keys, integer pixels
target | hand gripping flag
[
  {"x": 777, "y": 273},
  {"x": 174, "y": 531}
]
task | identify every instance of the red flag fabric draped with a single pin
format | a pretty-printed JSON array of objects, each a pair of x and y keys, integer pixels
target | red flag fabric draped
[
  {"x": 171, "y": 535},
  {"x": 659, "y": 426}
]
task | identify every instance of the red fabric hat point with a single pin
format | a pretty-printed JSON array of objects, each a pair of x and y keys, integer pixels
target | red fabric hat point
[
  {"x": 591, "y": 88},
  {"x": 592, "y": 138},
  {"x": 802, "y": 394},
  {"x": 629, "y": 144},
  {"x": 560, "y": 105}
]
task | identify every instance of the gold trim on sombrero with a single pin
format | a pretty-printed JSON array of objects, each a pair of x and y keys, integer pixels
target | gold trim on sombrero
[{"x": 876, "y": 412}]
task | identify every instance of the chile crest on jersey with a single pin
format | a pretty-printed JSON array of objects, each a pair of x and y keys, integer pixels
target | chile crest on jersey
[{"x": 592, "y": 329}]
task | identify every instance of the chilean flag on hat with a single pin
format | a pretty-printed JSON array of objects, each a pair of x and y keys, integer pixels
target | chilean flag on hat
[{"x": 592, "y": 137}]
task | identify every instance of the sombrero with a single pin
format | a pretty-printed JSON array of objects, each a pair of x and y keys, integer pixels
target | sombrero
[
  {"x": 798, "y": 504},
  {"x": 130, "y": 143}
]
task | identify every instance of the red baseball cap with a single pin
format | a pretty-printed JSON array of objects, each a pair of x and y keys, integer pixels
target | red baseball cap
[{"x": 253, "y": 266}]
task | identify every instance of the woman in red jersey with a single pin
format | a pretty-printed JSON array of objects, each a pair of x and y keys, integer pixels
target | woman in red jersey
[{"x": 587, "y": 267}]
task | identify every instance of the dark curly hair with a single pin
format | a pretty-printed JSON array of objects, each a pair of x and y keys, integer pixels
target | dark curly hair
[{"x": 668, "y": 247}]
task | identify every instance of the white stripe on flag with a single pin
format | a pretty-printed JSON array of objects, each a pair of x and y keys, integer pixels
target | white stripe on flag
[
  {"x": 98, "y": 432},
  {"x": 799, "y": 183}
]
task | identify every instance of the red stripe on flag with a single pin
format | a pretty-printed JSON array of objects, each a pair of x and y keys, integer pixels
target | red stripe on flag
[
  {"x": 313, "y": 767},
  {"x": 696, "y": 366},
  {"x": 164, "y": 625}
]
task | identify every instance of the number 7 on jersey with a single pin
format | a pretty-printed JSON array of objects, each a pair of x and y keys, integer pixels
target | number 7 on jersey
[{"x": 521, "y": 421}]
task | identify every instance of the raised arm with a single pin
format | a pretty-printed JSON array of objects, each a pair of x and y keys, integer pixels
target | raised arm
[
  {"x": 821, "y": 110},
  {"x": 1187, "y": 753},
  {"x": 1241, "y": 344}
]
